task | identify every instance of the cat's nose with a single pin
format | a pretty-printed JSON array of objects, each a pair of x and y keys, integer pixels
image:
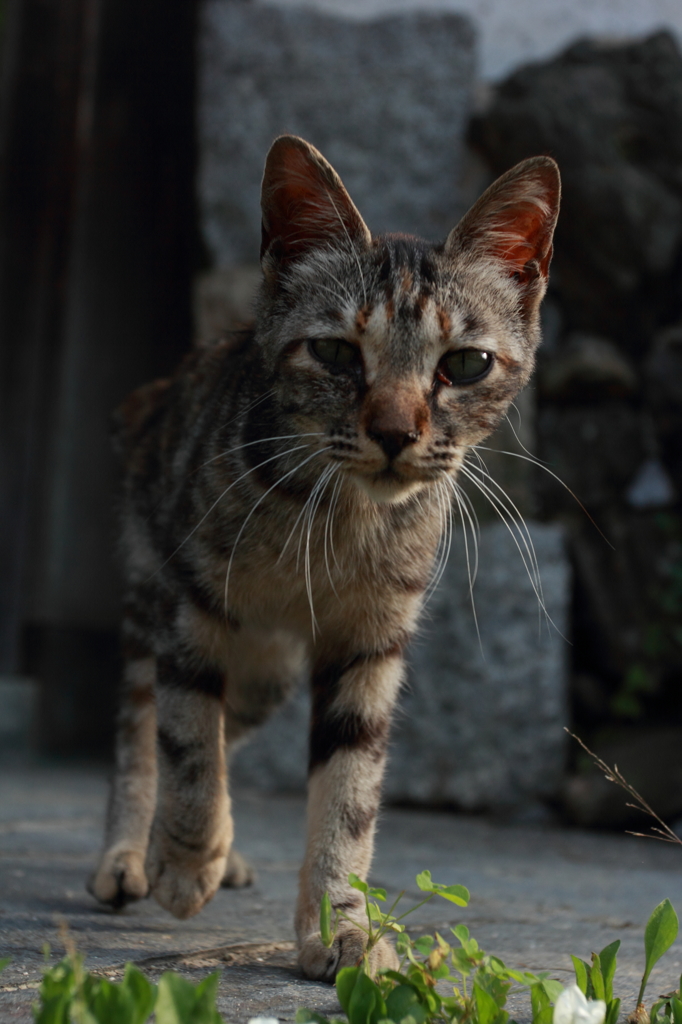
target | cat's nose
[{"x": 392, "y": 437}]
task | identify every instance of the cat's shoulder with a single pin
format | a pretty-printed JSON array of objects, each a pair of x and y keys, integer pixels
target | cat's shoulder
[{"x": 200, "y": 372}]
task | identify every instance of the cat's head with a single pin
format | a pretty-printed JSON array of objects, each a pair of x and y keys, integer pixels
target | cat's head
[{"x": 400, "y": 353}]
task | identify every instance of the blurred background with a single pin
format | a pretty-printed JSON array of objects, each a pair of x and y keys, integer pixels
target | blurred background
[{"x": 132, "y": 138}]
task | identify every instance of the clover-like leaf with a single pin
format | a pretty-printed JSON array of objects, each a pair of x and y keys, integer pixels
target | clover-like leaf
[
  {"x": 457, "y": 894},
  {"x": 424, "y": 882}
]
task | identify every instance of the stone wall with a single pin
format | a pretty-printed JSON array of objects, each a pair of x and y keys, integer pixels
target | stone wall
[{"x": 386, "y": 102}]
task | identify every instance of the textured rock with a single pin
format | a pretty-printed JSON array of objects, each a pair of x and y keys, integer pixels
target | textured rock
[
  {"x": 479, "y": 726},
  {"x": 612, "y": 117},
  {"x": 386, "y": 101}
]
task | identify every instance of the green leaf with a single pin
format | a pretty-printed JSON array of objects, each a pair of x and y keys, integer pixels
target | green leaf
[
  {"x": 326, "y": 921},
  {"x": 378, "y": 894},
  {"x": 659, "y": 935},
  {"x": 424, "y": 882},
  {"x": 596, "y": 977},
  {"x": 357, "y": 883},
  {"x": 612, "y": 1011},
  {"x": 540, "y": 1004},
  {"x": 424, "y": 944},
  {"x": 655, "y": 1009},
  {"x": 374, "y": 912},
  {"x": 454, "y": 894},
  {"x": 487, "y": 1008},
  {"x": 676, "y": 1010},
  {"x": 461, "y": 932},
  {"x": 180, "y": 1002},
  {"x": 57, "y": 990},
  {"x": 581, "y": 974},
  {"x": 366, "y": 1005},
  {"x": 3, "y": 963},
  {"x": 402, "y": 1002},
  {"x": 345, "y": 983},
  {"x": 142, "y": 994},
  {"x": 305, "y": 1016},
  {"x": 552, "y": 988},
  {"x": 607, "y": 959},
  {"x": 112, "y": 1004}
]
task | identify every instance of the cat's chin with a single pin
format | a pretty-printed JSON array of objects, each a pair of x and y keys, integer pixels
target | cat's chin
[{"x": 387, "y": 488}]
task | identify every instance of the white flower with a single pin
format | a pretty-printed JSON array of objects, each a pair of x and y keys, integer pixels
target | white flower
[
  {"x": 264, "y": 1020},
  {"x": 573, "y": 1008}
]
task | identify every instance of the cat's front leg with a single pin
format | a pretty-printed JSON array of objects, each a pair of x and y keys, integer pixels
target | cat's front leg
[
  {"x": 352, "y": 705},
  {"x": 192, "y": 830}
]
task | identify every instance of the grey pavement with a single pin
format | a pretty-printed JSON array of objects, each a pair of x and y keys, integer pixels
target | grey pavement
[{"x": 538, "y": 894}]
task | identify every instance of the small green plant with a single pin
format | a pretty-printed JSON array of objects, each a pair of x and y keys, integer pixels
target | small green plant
[
  {"x": 480, "y": 982},
  {"x": 70, "y": 995}
]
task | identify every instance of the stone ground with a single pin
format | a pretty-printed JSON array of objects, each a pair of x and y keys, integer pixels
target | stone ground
[{"x": 539, "y": 893}]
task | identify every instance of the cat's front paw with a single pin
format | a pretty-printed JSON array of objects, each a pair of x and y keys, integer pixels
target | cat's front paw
[
  {"x": 347, "y": 950},
  {"x": 183, "y": 880},
  {"x": 119, "y": 878},
  {"x": 238, "y": 873}
]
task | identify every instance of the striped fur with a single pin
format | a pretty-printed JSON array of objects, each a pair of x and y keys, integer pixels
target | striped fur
[{"x": 281, "y": 515}]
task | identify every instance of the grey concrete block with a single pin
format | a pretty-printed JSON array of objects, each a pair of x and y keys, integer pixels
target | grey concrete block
[
  {"x": 385, "y": 100},
  {"x": 479, "y": 726}
]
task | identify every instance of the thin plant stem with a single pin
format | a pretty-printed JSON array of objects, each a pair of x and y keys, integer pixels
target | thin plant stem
[{"x": 665, "y": 834}]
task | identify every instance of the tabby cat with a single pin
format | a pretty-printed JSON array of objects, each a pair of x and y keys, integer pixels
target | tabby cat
[{"x": 283, "y": 504}]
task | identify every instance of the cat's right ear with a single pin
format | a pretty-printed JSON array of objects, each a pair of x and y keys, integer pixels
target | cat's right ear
[
  {"x": 513, "y": 223},
  {"x": 304, "y": 205}
]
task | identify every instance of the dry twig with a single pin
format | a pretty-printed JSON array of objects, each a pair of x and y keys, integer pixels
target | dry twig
[{"x": 664, "y": 833}]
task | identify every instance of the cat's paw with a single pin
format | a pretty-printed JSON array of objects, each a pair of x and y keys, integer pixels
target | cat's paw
[
  {"x": 347, "y": 950},
  {"x": 182, "y": 880},
  {"x": 119, "y": 878},
  {"x": 238, "y": 873}
]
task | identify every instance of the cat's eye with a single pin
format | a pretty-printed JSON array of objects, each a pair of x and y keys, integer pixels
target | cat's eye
[
  {"x": 334, "y": 352},
  {"x": 464, "y": 366}
]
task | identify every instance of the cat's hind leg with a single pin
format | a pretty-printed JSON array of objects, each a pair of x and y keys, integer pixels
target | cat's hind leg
[
  {"x": 192, "y": 830},
  {"x": 264, "y": 667},
  {"x": 120, "y": 875}
]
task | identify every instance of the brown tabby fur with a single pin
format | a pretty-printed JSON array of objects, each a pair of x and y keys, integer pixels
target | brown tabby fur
[{"x": 282, "y": 514}]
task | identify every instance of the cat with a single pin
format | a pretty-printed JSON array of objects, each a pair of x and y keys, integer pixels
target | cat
[{"x": 283, "y": 505}]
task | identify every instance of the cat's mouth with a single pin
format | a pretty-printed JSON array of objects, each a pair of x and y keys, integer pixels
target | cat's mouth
[{"x": 389, "y": 485}]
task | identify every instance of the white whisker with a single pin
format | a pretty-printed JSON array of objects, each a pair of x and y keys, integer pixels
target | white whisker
[
  {"x": 221, "y": 496},
  {"x": 330, "y": 507},
  {"x": 536, "y": 462},
  {"x": 457, "y": 491},
  {"x": 520, "y": 521},
  {"x": 519, "y": 538},
  {"x": 261, "y": 440},
  {"x": 324, "y": 480},
  {"x": 262, "y": 498},
  {"x": 336, "y": 494}
]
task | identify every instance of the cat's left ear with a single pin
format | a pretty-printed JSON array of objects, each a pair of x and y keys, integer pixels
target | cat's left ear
[
  {"x": 304, "y": 204},
  {"x": 513, "y": 222}
]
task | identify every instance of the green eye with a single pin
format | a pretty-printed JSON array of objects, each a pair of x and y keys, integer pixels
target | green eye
[
  {"x": 464, "y": 366},
  {"x": 334, "y": 351}
]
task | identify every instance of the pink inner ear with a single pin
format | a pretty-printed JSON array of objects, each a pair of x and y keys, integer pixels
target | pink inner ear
[
  {"x": 520, "y": 235},
  {"x": 304, "y": 202}
]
